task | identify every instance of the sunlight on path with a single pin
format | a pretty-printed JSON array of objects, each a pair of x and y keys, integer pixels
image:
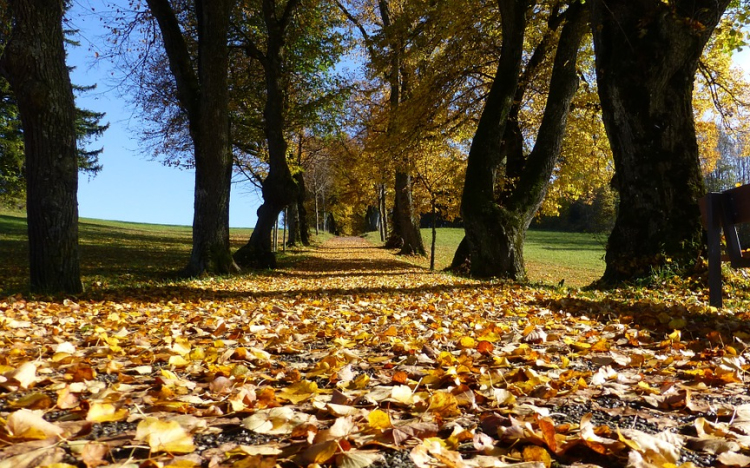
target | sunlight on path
[{"x": 353, "y": 263}]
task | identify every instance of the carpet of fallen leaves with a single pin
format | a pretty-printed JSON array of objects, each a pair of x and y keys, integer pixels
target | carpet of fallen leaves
[{"x": 353, "y": 358}]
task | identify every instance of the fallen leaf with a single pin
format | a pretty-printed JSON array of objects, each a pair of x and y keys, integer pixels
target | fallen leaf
[
  {"x": 164, "y": 436},
  {"x": 29, "y": 424}
]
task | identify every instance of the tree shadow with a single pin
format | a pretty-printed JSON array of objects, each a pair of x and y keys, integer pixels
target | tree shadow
[{"x": 187, "y": 293}]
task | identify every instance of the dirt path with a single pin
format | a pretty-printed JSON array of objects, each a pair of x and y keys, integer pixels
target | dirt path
[{"x": 354, "y": 263}]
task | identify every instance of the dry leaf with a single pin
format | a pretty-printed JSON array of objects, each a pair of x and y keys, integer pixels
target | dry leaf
[
  {"x": 164, "y": 436},
  {"x": 29, "y": 424}
]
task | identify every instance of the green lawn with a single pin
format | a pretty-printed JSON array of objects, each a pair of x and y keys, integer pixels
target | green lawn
[
  {"x": 550, "y": 256},
  {"x": 112, "y": 252},
  {"x": 115, "y": 253}
]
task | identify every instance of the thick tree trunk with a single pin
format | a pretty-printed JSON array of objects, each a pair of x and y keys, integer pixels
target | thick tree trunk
[
  {"x": 279, "y": 188},
  {"x": 479, "y": 211},
  {"x": 34, "y": 64},
  {"x": 205, "y": 98},
  {"x": 405, "y": 233},
  {"x": 646, "y": 58},
  {"x": 495, "y": 237},
  {"x": 213, "y": 161},
  {"x": 405, "y": 221}
]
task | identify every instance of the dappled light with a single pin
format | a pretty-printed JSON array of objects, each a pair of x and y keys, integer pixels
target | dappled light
[{"x": 347, "y": 355}]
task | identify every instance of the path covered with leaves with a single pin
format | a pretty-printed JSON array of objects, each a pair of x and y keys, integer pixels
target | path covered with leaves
[{"x": 353, "y": 358}]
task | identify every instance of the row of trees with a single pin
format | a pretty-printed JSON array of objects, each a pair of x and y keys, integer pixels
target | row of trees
[{"x": 481, "y": 97}]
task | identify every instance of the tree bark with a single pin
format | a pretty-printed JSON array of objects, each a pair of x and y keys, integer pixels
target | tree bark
[
  {"x": 292, "y": 224},
  {"x": 382, "y": 209},
  {"x": 34, "y": 64},
  {"x": 405, "y": 234},
  {"x": 279, "y": 187},
  {"x": 479, "y": 211},
  {"x": 204, "y": 97},
  {"x": 646, "y": 58},
  {"x": 304, "y": 223},
  {"x": 495, "y": 235}
]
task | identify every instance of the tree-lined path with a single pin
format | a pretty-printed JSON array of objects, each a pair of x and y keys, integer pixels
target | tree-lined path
[{"x": 351, "y": 357}]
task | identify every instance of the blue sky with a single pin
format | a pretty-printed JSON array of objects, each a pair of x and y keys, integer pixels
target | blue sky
[{"x": 132, "y": 187}]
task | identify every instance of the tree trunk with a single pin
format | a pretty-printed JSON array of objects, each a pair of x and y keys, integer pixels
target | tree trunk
[
  {"x": 317, "y": 215},
  {"x": 405, "y": 233},
  {"x": 205, "y": 98},
  {"x": 646, "y": 58},
  {"x": 279, "y": 188},
  {"x": 292, "y": 223},
  {"x": 434, "y": 235},
  {"x": 480, "y": 213},
  {"x": 213, "y": 160},
  {"x": 496, "y": 235},
  {"x": 304, "y": 223},
  {"x": 405, "y": 222},
  {"x": 34, "y": 65},
  {"x": 382, "y": 209}
]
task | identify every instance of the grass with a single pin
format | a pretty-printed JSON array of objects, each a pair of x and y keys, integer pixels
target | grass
[
  {"x": 116, "y": 253},
  {"x": 113, "y": 253},
  {"x": 550, "y": 256}
]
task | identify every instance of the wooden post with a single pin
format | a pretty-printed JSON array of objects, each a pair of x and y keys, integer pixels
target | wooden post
[{"x": 713, "y": 225}]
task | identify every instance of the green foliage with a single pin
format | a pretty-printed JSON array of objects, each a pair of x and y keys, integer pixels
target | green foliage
[
  {"x": 11, "y": 148},
  {"x": 12, "y": 182}
]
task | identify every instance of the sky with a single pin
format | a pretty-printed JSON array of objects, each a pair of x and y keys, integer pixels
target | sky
[{"x": 132, "y": 186}]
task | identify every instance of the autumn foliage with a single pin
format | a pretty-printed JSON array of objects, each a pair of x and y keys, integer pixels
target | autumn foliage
[{"x": 351, "y": 358}]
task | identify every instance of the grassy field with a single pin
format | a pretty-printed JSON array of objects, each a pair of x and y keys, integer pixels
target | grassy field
[
  {"x": 550, "y": 256},
  {"x": 117, "y": 253},
  {"x": 112, "y": 252}
]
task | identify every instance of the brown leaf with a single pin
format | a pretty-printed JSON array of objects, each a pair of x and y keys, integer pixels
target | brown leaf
[
  {"x": 28, "y": 424},
  {"x": 93, "y": 454}
]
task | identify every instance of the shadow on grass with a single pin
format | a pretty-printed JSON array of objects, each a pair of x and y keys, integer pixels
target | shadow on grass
[
  {"x": 571, "y": 247},
  {"x": 188, "y": 294}
]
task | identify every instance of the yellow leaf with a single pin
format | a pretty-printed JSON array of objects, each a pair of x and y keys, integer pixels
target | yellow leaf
[
  {"x": 299, "y": 391},
  {"x": 357, "y": 459},
  {"x": 467, "y": 342},
  {"x": 402, "y": 394},
  {"x": 379, "y": 419},
  {"x": 181, "y": 346},
  {"x": 391, "y": 331},
  {"x": 105, "y": 412},
  {"x": 33, "y": 401},
  {"x": 534, "y": 453},
  {"x": 28, "y": 424},
  {"x": 164, "y": 436},
  {"x": 280, "y": 420},
  {"x": 318, "y": 453},
  {"x": 444, "y": 403},
  {"x": 178, "y": 361},
  {"x": 25, "y": 374},
  {"x": 677, "y": 323}
]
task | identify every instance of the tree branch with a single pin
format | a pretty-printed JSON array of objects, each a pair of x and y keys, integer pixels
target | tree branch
[{"x": 188, "y": 85}]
